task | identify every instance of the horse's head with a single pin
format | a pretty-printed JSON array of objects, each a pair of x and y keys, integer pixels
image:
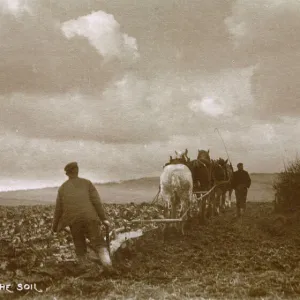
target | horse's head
[
  {"x": 202, "y": 154},
  {"x": 226, "y": 166},
  {"x": 218, "y": 171},
  {"x": 204, "y": 157},
  {"x": 216, "y": 163},
  {"x": 222, "y": 162},
  {"x": 180, "y": 158},
  {"x": 182, "y": 155}
]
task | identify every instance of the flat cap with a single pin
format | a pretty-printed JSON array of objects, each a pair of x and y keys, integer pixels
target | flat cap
[
  {"x": 71, "y": 166},
  {"x": 239, "y": 164}
]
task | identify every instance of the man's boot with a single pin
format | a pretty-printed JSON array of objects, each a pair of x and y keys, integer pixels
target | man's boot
[
  {"x": 105, "y": 259},
  {"x": 84, "y": 263}
]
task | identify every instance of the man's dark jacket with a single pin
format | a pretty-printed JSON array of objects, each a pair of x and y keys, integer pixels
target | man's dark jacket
[
  {"x": 240, "y": 177},
  {"x": 77, "y": 200}
]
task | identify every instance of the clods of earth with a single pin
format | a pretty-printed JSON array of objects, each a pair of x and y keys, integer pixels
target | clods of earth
[{"x": 255, "y": 257}]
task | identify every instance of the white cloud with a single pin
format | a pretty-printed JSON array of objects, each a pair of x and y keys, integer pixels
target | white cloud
[
  {"x": 103, "y": 32},
  {"x": 223, "y": 94},
  {"x": 210, "y": 106},
  {"x": 133, "y": 109},
  {"x": 15, "y": 7}
]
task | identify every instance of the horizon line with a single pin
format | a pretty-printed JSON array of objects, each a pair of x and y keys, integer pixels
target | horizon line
[{"x": 113, "y": 182}]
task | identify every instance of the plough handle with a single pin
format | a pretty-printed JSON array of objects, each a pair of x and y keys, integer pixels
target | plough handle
[{"x": 88, "y": 244}]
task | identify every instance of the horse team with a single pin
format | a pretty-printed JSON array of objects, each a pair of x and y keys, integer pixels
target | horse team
[{"x": 182, "y": 178}]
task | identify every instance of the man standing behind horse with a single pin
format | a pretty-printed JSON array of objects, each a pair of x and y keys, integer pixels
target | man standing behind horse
[
  {"x": 241, "y": 182},
  {"x": 78, "y": 206}
]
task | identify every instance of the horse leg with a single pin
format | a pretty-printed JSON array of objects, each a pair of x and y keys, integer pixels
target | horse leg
[
  {"x": 167, "y": 213},
  {"x": 210, "y": 206},
  {"x": 226, "y": 199},
  {"x": 203, "y": 210},
  {"x": 217, "y": 204},
  {"x": 218, "y": 201},
  {"x": 223, "y": 206},
  {"x": 180, "y": 226},
  {"x": 200, "y": 209},
  {"x": 174, "y": 209},
  {"x": 229, "y": 196},
  {"x": 214, "y": 203}
]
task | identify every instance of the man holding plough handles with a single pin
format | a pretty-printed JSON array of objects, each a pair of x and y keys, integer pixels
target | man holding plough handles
[{"x": 78, "y": 205}]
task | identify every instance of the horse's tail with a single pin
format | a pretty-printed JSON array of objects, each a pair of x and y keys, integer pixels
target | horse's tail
[{"x": 175, "y": 183}]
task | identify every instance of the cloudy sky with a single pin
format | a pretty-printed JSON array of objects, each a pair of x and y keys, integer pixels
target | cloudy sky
[{"x": 119, "y": 85}]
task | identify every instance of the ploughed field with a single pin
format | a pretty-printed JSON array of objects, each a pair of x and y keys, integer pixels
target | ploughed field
[{"x": 257, "y": 257}]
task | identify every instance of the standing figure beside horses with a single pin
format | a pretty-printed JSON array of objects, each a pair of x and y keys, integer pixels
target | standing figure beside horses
[{"x": 241, "y": 181}]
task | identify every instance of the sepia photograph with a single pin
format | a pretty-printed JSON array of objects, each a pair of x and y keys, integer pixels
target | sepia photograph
[{"x": 149, "y": 149}]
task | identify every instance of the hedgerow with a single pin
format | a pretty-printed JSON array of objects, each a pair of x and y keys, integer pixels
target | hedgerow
[{"x": 287, "y": 188}]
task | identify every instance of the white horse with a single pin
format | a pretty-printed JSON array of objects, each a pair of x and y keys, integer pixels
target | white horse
[{"x": 176, "y": 190}]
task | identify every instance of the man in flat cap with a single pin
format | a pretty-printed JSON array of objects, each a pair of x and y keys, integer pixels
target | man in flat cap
[
  {"x": 241, "y": 182},
  {"x": 78, "y": 205}
]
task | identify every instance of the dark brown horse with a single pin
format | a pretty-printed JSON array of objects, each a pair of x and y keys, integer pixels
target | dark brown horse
[
  {"x": 201, "y": 174},
  {"x": 207, "y": 173},
  {"x": 201, "y": 171},
  {"x": 204, "y": 157},
  {"x": 218, "y": 178},
  {"x": 228, "y": 169}
]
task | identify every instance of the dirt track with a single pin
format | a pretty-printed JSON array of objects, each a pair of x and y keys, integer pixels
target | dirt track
[{"x": 257, "y": 256}]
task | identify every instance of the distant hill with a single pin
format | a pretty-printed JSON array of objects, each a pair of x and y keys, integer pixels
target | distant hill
[
  {"x": 130, "y": 181},
  {"x": 134, "y": 190}
]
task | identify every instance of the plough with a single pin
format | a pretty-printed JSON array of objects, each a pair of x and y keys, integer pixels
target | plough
[{"x": 120, "y": 237}]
